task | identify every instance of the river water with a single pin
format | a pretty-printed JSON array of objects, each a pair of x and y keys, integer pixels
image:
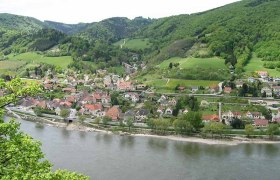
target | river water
[{"x": 112, "y": 157}]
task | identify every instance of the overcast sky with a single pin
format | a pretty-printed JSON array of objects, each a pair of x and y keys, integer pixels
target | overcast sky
[{"x": 74, "y": 11}]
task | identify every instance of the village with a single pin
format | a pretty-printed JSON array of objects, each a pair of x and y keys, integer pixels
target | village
[{"x": 114, "y": 99}]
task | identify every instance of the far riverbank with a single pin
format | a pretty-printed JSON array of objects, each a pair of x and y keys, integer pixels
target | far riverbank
[{"x": 88, "y": 128}]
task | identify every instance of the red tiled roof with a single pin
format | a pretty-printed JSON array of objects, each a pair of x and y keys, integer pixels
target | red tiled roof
[
  {"x": 93, "y": 107},
  {"x": 114, "y": 113},
  {"x": 211, "y": 117},
  {"x": 261, "y": 122}
]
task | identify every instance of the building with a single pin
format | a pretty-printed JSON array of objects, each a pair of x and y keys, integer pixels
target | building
[
  {"x": 114, "y": 113},
  {"x": 260, "y": 123},
  {"x": 210, "y": 118}
]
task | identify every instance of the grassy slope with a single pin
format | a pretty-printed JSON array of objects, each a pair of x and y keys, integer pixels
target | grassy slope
[
  {"x": 185, "y": 63},
  {"x": 134, "y": 43},
  {"x": 256, "y": 64},
  {"x": 33, "y": 58}
]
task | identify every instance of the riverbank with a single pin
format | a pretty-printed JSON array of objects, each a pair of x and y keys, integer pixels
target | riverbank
[{"x": 85, "y": 128}]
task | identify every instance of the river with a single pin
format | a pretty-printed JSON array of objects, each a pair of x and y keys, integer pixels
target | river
[{"x": 111, "y": 157}]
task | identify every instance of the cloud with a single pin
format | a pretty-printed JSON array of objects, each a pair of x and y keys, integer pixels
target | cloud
[{"x": 74, "y": 11}]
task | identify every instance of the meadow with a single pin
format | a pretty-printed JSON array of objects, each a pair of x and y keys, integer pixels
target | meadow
[
  {"x": 136, "y": 44},
  {"x": 168, "y": 85},
  {"x": 34, "y": 58},
  {"x": 186, "y": 63},
  {"x": 256, "y": 64}
]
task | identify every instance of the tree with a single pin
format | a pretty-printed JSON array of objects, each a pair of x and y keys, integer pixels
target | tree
[
  {"x": 182, "y": 126},
  {"x": 106, "y": 119},
  {"x": 64, "y": 113},
  {"x": 194, "y": 118},
  {"x": 21, "y": 156},
  {"x": 170, "y": 65},
  {"x": 214, "y": 128},
  {"x": 272, "y": 129},
  {"x": 249, "y": 130},
  {"x": 82, "y": 118},
  {"x": 129, "y": 123},
  {"x": 37, "y": 111}
]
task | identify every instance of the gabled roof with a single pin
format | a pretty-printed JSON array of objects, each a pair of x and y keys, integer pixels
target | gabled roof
[
  {"x": 211, "y": 117},
  {"x": 93, "y": 107},
  {"x": 261, "y": 122}
]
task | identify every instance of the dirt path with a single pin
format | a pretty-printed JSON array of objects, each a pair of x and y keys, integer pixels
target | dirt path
[{"x": 124, "y": 41}]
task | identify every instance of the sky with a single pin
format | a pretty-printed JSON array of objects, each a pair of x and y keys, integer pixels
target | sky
[{"x": 75, "y": 11}]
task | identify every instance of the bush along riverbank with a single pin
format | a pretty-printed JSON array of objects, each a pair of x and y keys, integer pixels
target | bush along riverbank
[{"x": 206, "y": 137}]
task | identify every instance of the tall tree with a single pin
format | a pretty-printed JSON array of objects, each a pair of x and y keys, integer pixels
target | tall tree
[{"x": 21, "y": 156}]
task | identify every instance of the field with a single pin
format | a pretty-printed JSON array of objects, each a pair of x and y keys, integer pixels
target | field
[
  {"x": 168, "y": 85},
  {"x": 185, "y": 63},
  {"x": 134, "y": 43},
  {"x": 11, "y": 65},
  {"x": 34, "y": 58},
  {"x": 256, "y": 64}
]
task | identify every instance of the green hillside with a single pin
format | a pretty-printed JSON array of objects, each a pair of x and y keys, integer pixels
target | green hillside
[
  {"x": 232, "y": 32},
  {"x": 114, "y": 29},
  {"x": 22, "y": 23}
]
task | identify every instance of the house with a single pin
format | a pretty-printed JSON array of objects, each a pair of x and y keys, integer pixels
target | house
[
  {"x": 172, "y": 102},
  {"x": 57, "y": 111},
  {"x": 124, "y": 85},
  {"x": 210, "y": 118},
  {"x": 141, "y": 87},
  {"x": 267, "y": 90},
  {"x": 260, "y": 123},
  {"x": 239, "y": 84},
  {"x": 114, "y": 113},
  {"x": 93, "y": 109},
  {"x": 253, "y": 115},
  {"x": 227, "y": 90},
  {"x": 214, "y": 89},
  {"x": 134, "y": 97},
  {"x": 228, "y": 116},
  {"x": 142, "y": 115},
  {"x": 161, "y": 110},
  {"x": 194, "y": 89},
  {"x": 72, "y": 114},
  {"x": 162, "y": 98},
  {"x": 277, "y": 80},
  {"x": 168, "y": 111},
  {"x": 130, "y": 114},
  {"x": 181, "y": 88},
  {"x": 42, "y": 104},
  {"x": 69, "y": 90},
  {"x": 262, "y": 74},
  {"x": 88, "y": 100},
  {"x": 237, "y": 115},
  {"x": 28, "y": 103},
  {"x": 276, "y": 90},
  {"x": 66, "y": 104},
  {"x": 251, "y": 80},
  {"x": 48, "y": 87}
]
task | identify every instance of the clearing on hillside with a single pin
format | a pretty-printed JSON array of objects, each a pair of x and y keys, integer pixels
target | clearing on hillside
[
  {"x": 136, "y": 44},
  {"x": 256, "y": 64},
  {"x": 186, "y": 63},
  {"x": 35, "y": 58}
]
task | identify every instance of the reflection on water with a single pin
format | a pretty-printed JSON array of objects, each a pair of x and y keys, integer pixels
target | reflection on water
[
  {"x": 106, "y": 156},
  {"x": 127, "y": 141},
  {"x": 66, "y": 133},
  {"x": 157, "y": 144},
  {"x": 39, "y": 126}
]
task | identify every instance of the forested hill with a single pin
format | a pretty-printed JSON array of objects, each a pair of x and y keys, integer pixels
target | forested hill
[
  {"x": 66, "y": 28},
  {"x": 20, "y": 23},
  {"x": 114, "y": 29},
  {"x": 232, "y": 32}
]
